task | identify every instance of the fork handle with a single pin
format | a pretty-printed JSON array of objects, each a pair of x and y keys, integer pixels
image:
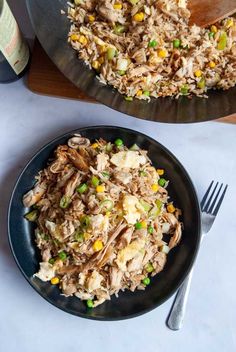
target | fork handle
[{"x": 177, "y": 312}]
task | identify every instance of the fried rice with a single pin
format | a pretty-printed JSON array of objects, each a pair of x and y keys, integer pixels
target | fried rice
[
  {"x": 147, "y": 48},
  {"x": 104, "y": 220}
]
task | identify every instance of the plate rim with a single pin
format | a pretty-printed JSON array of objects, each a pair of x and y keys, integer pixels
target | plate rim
[{"x": 198, "y": 214}]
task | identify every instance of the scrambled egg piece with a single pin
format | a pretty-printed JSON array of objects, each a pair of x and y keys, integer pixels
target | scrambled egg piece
[
  {"x": 46, "y": 272},
  {"x": 100, "y": 223},
  {"x": 53, "y": 229},
  {"x": 132, "y": 209},
  {"x": 94, "y": 281},
  {"x": 182, "y": 3},
  {"x": 128, "y": 159},
  {"x": 129, "y": 252}
]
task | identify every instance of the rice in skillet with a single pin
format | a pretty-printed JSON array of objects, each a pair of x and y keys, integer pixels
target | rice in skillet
[
  {"x": 102, "y": 212},
  {"x": 147, "y": 49}
]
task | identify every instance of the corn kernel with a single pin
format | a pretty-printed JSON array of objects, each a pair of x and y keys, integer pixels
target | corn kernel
[
  {"x": 83, "y": 40},
  {"x": 74, "y": 37},
  {"x": 117, "y": 6},
  {"x": 229, "y": 23},
  {"x": 138, "y": 17},
  {"x": 101, "y": 60},
  {"x": 160, "y": 172},
  {"x": 139, "y": 92},
  {"x": 214, "y": 29},
  {"x": 162, "y": 53},
  {"x": 91, "y": 18},
  {"x": 98, "y": 245},
  {"x": 100, "y": 189},
  {"x": 144, "y": 224},
  {"x": 108, "y": 213},
  {"x": 102, "y": 49},
  {"x": 96, "y": 64},
  {"x": 94, "y": 145},
  {"x": 155, "y": 187},
  {"x": 212, "y": 64},
  {"x": 55, "y": 280},
  {"x": 87, "y": 236},
  {"x": 170, "y": 208},
  {"x": 198, "y": 73}
]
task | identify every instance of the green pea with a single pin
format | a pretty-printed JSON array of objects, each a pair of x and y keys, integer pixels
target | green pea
[
  {"x": 150, "y": 229},
  {"x": 64, "y": 202},
  {"x": 184, "y": 89},
  {"x": 95, "y": 181},
  {"x": 176, "y": 43},
  {"x": 119, "y": 29},
  {"x": 152, "y": 44},
  {"x": 90, "y": 303},
  {"x": 149, "y": 268},
  {"x": 62, "y": 255},
  {"x": 119, "y": 142},
  {"x": 82, "y": 188},
  {"x": 146, "y": 281},
  {"x": 138, "y": 225},
  {"x": 147, "y": 93},
  {"x": 162, "y": 182},
  {"x": 51, "y": 261}
]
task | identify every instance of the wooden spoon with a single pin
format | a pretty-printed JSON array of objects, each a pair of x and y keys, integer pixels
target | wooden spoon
[{"x": 207, "y": 12}]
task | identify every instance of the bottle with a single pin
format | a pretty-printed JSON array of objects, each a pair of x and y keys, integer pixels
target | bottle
[{"x": 14, "y": 51}]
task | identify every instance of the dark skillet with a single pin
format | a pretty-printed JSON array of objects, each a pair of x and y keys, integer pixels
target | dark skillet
[{"x": 180, "y": 260}]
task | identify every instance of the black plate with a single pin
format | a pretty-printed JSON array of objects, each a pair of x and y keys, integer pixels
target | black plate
[
  {"x": 180, "y": 260},
  {"x": 52, "y": 28}
]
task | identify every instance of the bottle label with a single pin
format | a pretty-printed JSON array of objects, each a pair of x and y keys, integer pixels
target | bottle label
[{"x": 12, "y": 44}]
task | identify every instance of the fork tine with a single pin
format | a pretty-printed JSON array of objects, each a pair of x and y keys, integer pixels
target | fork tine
[
  {"x": 220, "y": 201},
  {"x": 206, "y": 195},
  {"x": 210, "y": 199},
  {"x": 210, "y": 210}
]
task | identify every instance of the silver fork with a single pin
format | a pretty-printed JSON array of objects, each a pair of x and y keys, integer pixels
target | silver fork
[{"x": 210, "y": 206}]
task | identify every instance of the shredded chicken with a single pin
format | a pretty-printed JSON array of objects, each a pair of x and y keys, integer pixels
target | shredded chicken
[{"x": 100, "y": 235}]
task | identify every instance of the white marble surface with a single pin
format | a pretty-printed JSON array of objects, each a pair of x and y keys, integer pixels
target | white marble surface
[{"x": 207, "y": 150}]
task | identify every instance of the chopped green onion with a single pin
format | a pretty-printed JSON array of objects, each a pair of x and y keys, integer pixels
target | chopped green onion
[
  {"x": 133, "y": 2},
  {"x": 164, "y": 249},
  {"x": 152, "y": 44},
  {"x": 51, "y": 261},
  {"x": 159, "y": 204},
  {"x": 121, "y": 72},
  {"x": 134, "y": 147},
  {"x": 162, "y": 182},
  {"x": 64, "y": 202},
  {"x": 119, "y": 142},
  {"x": 211, "y": 35},
  {"x": 154, "y": 212},
  {"x": 222, "y": 41},
  {"x": 146, "y": 93},
  {"x": 146, "y": 281},
  {"x": 176, "y": 43},
  {"x": 202, "y": 83},
  {"x": 90, "y": 303},
  {"x": 79, "y": 236},
  {"x": 62, "y": 255},
  {"x": 149, "y": 267},
  {"x": 184, "y": 89},
  {"x": 129, "y": 98},
  {"x": 85, "y": 221},
  {"x": 142, "y": 173},
  {"x": 82, "y": 188},
  {"x": 106, "y": 174},
  {"x": 145, "y": 205},
  {"x": 107, "y": 204},
  {"x": 109, "y": 147},
  {"x": 95, "y": 181},
  {"x": 119, "y": 29},
  {"x": 32, "y": 215},
  {"x": 150, "y": 229}
]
